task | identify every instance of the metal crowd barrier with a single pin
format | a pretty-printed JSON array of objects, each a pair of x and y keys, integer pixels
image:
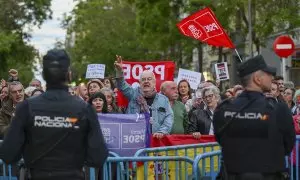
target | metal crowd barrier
[
  {"x": 128, "y": 167},
  {"x": 161, "y": 163},
  {"x": 293, "y": 164},
  {"x": 186, "y": 149},
  {"x": 107, "y": 169},
  {"x": 202, "y": 159},
  {"x": 6, "y": 172},
  {"x": 190, "y": 151}
]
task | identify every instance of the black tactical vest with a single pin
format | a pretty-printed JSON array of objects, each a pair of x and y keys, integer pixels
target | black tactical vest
[{"x": 56, "y": 131}]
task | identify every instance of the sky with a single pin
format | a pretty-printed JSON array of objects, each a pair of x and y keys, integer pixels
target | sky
[{"x": 44, "y": 38}]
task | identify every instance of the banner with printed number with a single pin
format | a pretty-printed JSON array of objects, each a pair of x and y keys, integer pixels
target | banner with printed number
[
  {"x": 222, "y": 71},
  {"x": 124, "y": 134},
  {"x": 163, "y": 71},
  {"x": 174, "y": 140}
]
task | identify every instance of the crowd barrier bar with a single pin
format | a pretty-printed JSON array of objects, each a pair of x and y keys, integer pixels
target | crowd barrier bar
[
  {"x": 106, "y": 171},
  {"x": 294, "y": 168},
  {"x": 175, "y": 150},
  {"x": 147, "y": 151},
  {"x": 202, "y": 157},
  {"x": 4, "y": 171},
  {"x": 129, "y": 173},
  {"x": 142, "y": 156}
]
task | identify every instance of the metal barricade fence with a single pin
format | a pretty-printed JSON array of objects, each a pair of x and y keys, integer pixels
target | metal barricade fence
[
  {"x": 186, "y": 149},
  {"x": 161, "y": 163},
  {"x": 293, "y": 161},
  {"x": 178, "y": 154},
  {"x": 107, "y": 169},
  {"x": 6, "y": 172},
  {"x": 190, "y": 151},
  {"x": 201, "y": 172}
]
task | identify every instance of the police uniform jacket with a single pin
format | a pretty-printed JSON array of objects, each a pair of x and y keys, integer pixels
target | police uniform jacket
[
  {"x": 55, "y": 131},
  {"x": 258, "y": 137}
]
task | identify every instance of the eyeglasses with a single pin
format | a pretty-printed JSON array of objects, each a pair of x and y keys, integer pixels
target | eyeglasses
[{"x": 210, "y": 96}]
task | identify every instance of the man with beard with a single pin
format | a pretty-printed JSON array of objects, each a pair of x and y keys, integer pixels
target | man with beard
[
  {"x": 255, "y": 134},
  {"x": 145, "y": 99},
  {"x": 16, "y": 95},
  {"x": 169, "y": 89}
]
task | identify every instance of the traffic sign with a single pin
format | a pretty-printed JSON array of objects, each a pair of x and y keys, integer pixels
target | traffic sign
[{"x": 284, "y": 46}]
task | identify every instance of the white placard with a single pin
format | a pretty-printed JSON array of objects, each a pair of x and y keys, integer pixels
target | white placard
[
  {"x": 194, "y": 78},
  {"x": 95, "y": 71},
  {"x": 222, "y": 71}
]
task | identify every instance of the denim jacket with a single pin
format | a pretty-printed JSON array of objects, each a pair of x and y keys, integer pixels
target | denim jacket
[{"x": 162, "y": 113}]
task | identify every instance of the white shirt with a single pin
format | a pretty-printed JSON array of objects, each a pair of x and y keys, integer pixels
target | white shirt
[{"x": 211, "y": 129}]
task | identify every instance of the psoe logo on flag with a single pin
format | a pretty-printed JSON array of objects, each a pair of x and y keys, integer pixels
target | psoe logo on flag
[
  {"x": 210, "y": 25},
  {"x": 204, "y": 26},
  {"x": 196, "y": 32}
]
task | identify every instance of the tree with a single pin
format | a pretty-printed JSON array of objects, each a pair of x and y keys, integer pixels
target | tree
[
  {"x": 15, "y": 19},
  {"x": 268, "y": 17},
  {"x": 99, "y": 30},
  {"x": 157, "y": 19}
]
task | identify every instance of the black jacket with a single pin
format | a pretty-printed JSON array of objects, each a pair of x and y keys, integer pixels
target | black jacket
[
  {"x": 199, "y": 121},
  {"x": 55, "y": 131},
  {"x": 258, "y": 137}
]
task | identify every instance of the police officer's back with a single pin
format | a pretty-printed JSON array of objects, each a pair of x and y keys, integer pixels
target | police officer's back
[
  {"x": 55, "y": 133},
  {"x": 255, "y": 133}
]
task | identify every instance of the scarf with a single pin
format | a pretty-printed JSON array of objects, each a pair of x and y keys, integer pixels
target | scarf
[{"x": 141, "y": 101}]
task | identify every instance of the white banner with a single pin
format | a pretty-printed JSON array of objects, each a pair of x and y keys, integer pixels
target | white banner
[
  {"x": 194, "y": 78},
  {"x": 222, "y": 71},
  {"x": 95, "y": 71}
]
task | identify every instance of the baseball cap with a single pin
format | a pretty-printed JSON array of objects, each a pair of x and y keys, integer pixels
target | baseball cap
[
  {"x": 56, "y": 58},
  {"x": 254, "y": 64}
]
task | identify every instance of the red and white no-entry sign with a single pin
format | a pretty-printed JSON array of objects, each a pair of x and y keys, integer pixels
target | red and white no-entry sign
[{"x": 284, "y": 46}]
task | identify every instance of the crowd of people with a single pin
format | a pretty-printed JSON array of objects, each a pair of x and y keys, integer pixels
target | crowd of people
[{"x": 174, "y": 109}]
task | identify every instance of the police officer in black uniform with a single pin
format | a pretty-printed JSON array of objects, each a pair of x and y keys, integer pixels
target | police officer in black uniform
[
  {"x": 55, "y": 133},
  {"x": 255, "y": 132}
]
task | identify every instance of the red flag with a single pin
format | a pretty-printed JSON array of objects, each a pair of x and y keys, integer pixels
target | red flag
[
  {"x": 173, "y": 140},
  {"x": 204, "y": 26}
]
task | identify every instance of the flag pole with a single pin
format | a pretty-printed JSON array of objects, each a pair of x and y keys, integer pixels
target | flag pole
[{"x": 237, "y": 53}]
